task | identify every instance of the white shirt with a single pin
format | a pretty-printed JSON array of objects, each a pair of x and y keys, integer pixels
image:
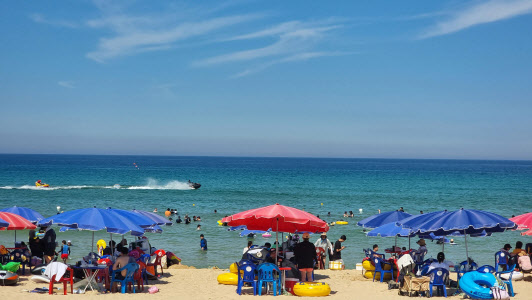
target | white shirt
[
  {"x": 445, "y": 265},
  {"x": 325, "y": 244}
]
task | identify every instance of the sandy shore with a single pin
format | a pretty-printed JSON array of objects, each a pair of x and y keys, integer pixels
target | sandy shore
[{"x": 202, "y": 284}]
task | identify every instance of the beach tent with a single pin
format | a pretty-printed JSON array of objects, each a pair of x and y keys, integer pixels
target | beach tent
[
  {"x": 383, "y": 219},
  {"x": 524, "y": 222},
  {"x": 27, "y": 213},
  {"x": 465, "y": 221},
  {"x": 279, "y": 218},
  {"x": 15, "y": 222}
]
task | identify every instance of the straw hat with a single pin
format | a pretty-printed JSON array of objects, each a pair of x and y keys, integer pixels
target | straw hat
[
  {"x": 522, "y": 253},
  {"x": 324, "y": 234},
  {"x": 421, "y": 242}
]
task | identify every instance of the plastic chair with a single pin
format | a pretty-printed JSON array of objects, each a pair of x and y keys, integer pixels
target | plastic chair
[
  {"x": 267, "y": 274},
  {"x": 437, "y": 279},
  {"x": 367, "y": 252},
  {"x": 145, "y": 259},
  {"x": 158, "y": 257},
  {"x": 246, "y": 273},
  {"x": 140, "y": 275},
  {"x": 64, "y": 280},
  {"x": 464, "y": 267},
  {"x": 501, "y": 259},
  {"x": 379, "y": 267},
  {"x": 509, "y": 280},
  {"x": 486, "y": 269},
  {"x": 319, "y": 257},
  {"x": 128, "y": 279},
  {"x": 419, "y": 258}
]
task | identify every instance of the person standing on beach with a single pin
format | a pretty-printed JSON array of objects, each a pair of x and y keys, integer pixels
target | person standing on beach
[
  {"x": 337, "y": 256},
  {"x": 324, "y": 243},
  {"x": 305, "y": 254},
  {"x": 49, "y": 244},
  {"x": 203, "y": 242}
]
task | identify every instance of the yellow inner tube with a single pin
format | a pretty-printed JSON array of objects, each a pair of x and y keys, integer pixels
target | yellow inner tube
[
  {"x": 368, "y": 266},
  {"x": 312, "y": 289},
  {"x": 369, "y": 275},
  {"x": 342, "y": 222},
  {"x": 228, "y": 278},
  {"x": 219, "y": 222},
  {"x": 233, "y": 268}
]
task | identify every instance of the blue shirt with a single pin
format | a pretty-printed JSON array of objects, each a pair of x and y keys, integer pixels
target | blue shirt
[
  {"x": 65, "y": 250},
  {"x": 203, "y": 244}
]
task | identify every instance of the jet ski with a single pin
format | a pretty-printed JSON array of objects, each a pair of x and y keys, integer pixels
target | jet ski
[
  {"x": 8, "y": 278},
  {"x": 194, "y": 185},
  {"x": 38, "y": 183}
]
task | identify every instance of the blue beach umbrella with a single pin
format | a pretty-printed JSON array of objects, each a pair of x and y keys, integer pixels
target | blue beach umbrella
[
  {"x": 413, "y": 222},
  {"x": 383, "y": 219},
  {"x": 394, "y": 230},
  {"x": 3, "y": 223},
  {"x": 94, "y": 219},
  {"x": 467, "y": 222},
  {"x": 154, "y": 217},
  {"x": 27, "y": 213}
]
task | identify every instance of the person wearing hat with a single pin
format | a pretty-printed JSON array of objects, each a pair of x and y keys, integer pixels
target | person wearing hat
[
  {"x": 420, "y": 253},
  {"x": 305, "y": 255},
  {"x": 324, "y": 243},
  {"x": 337, "y": 256}
]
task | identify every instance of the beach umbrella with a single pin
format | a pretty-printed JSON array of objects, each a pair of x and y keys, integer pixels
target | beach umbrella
[
  {"x": 279, "y": 218},
  {"x": 394, "y": 230},
  {"x": 3, "y": 223},
  {"x": 524, "y": 222},
  {"x": 466, "y": 222},
  {"x": 95, "y": 219},
  {"x": 383, "y": 219},
  {"x": 27, "y": 213},
  {"x": 15, "y": 222},
  {"x": 154, "y": 217}
]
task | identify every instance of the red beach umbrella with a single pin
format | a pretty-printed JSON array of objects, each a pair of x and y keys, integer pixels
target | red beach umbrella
[
  {"x": 16, "y": 222},
  {"x": 279, "y": 218},
  {"x": 524, "y": 222}
]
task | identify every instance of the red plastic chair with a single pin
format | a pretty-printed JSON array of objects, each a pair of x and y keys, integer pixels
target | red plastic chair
[
  {"x": 320, "y": 258},
  {"x": 158, "y": 259},
  {"x": 64, "y": 280},
  {"x": 138, "y": 277}
]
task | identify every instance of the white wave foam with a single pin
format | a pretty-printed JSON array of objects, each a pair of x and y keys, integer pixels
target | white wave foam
[{"x": 154, "y": 185}]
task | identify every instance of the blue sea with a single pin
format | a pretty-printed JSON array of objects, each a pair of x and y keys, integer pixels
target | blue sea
[{"x": 234, "y": 184}]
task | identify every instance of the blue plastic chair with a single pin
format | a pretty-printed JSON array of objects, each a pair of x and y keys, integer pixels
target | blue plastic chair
[
  {"x": 486, "y": 269},
  {"x": 501, "y": 259},
  {"x": 419, "y": 258},
  {"x": 508, "y": 281},
  {"x": 438, "y": 277},
  {"x": 267, "y": 274},
  {"x": 246, "y": 271},
  {"x": 379, "y": 267},
  {"x": 145, "y": 258},
  {"x": 464, "y": 267},
  {"x": 129, "y": 278}
]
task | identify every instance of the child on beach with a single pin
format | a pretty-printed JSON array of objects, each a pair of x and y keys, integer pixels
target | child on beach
[
  {"x": 203, "y": 242},
  {"x": 65, "y": 251}
]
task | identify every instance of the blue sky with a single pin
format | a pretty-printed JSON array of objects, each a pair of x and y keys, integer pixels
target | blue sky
[{"x": 389, "y": 79}]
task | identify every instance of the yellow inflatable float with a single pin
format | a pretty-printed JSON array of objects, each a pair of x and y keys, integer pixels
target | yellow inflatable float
[
  {"x": 368, "y": 266},
  {"x": 369, "y": 275},
  {"x": 312, "y": 289},
  {"x": 228, "y": 278},
  {"x": 342, "y": 222},
  {"x": 233, "y": 268},
  {"x": 370, "y": 269},
  {"x": 219, "y": 222},
  {"x": 100, "y": 246}
]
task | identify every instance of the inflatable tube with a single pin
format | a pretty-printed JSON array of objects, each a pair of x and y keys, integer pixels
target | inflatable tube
[
  {"x": 369, "y": 275},
  {"x": 312, "y": 289},
  {"x": 228, "y": 278},
  {"x": 368, "y": 266},
  {"x": 40, "y": 278},
  {"x": 267, "y": 235},
  {"x": 342, "y": 222},
  {"x": 39, "y": 270},
  {"x": 233, "y": 268},
  {"x": 219, "y": 222},
  {"x": 477, "y": 285},
  {"x": 8, "y": 278},
  {"x": 515, "y": 276}
]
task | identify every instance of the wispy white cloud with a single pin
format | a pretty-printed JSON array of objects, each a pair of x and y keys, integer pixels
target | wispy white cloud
[
  {"x": 480, "y": 13},
  {"x": 146, "y": 33},
  {"x": 293, "y": 58},
  {"x": 292, "y": 38},
  {"x": 39, "y": 18},
  {"x": 66, "y": 84}
]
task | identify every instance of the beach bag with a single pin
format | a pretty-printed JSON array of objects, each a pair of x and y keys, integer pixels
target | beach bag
[
  {"x": 153, "y": 290},
  {"x": 499, "y": 293}
]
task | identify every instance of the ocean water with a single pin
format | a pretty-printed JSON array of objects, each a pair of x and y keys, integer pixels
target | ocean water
[{"x": 234, "y": 184}]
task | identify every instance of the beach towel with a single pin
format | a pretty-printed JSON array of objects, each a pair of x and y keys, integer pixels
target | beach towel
[{"x": 55, "y": 268}]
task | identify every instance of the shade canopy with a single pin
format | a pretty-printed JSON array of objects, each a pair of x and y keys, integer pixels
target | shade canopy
[
  {"x": 524, "y": 222},
  {"x": 95, "y": 219},
  {"x": 383, "y": 219},
  {"x": 27, "y": 213},
  {"x": 279, "y": 218},
  {"x": 15, "y": 222},
  {"x": 154, "y": 217},
  {"x": 465, "y": 221}
]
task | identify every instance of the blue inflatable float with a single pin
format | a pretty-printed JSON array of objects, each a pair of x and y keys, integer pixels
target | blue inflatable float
[{"x": 477, "y": 284}]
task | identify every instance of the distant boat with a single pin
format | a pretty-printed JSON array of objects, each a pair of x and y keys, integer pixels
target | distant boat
[{"x": 194, "y": 185}]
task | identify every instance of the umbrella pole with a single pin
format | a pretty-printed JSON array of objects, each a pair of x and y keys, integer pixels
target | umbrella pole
[
  {"x": 15, "y": 236},
  {"x": 395, "y": 243},
  {"x": 408, "y": 242},
  {"x": 92, "y": 247},
  {"x": 466, "y": 251},
  {"x": 276, "y": 241}
]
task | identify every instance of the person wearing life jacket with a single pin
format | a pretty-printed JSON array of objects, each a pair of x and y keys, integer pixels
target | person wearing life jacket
[{"x": 38, "y": 183}]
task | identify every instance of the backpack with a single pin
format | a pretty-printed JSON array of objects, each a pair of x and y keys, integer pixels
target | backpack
[{"x": 499, "y": 293}]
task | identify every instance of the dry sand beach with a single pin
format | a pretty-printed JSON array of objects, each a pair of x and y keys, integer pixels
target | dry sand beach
[{"x": 190, "y": 283}]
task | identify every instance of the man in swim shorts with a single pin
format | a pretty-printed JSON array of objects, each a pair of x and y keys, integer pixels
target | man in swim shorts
[{"x": 305, "y": 254}]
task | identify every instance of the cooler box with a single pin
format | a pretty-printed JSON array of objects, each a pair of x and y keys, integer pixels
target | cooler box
[
  {"x": 289, "y": 285},
  {"x": 335, "y": 265}
]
